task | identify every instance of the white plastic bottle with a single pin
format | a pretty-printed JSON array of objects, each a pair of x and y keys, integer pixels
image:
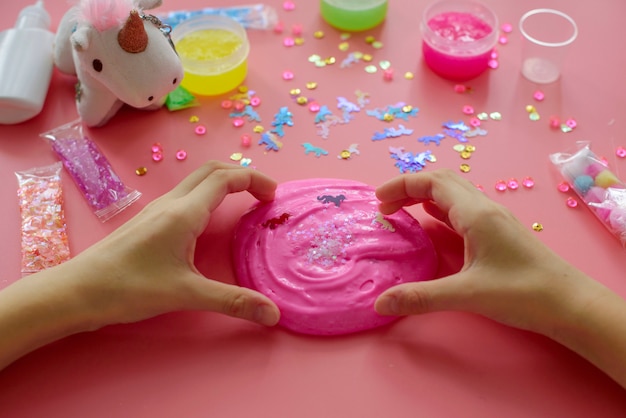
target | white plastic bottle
[{"x": 26, "y": 62}]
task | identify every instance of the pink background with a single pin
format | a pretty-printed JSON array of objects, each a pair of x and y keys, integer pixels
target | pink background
[{"x": 199, "y": 364}]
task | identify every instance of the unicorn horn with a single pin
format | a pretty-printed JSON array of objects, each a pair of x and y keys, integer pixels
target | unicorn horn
[{"x": 133, "y": 37}]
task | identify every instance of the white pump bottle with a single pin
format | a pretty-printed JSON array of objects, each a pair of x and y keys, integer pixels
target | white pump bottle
[{"x": 26, "y": 63}]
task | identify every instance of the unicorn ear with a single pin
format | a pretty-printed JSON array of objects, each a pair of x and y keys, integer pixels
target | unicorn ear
[
  {"x": 147, "y": 4},
  {"x": 80, "y": 38}
]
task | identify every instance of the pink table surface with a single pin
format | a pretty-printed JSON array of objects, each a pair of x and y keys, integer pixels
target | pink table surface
[{"x": 197, "y": 364}]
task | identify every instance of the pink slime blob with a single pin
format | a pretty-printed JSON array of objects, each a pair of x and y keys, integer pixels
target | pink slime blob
[{"x": 324, "y": 259}]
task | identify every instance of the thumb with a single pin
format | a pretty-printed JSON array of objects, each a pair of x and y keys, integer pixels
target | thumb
[
  {"x": 447, "y": 293},
  {"x": 235, "y": 301}
]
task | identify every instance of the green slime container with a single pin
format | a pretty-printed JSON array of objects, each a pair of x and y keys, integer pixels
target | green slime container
[{"x": 353, "y": 15}]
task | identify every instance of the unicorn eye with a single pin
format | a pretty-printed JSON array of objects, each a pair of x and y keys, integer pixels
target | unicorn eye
[{"x": 97, "y": 65}]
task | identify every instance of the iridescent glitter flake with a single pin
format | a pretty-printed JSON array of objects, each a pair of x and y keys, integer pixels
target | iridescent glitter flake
[{"x": 327, "y": 242}]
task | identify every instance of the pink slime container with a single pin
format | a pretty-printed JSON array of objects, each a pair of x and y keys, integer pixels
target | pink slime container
[{"x": 458, "y": 38}]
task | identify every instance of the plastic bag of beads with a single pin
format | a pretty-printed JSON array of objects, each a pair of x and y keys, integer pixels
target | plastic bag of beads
[
  {"x": 101, "y": 187},
  {"x": 596, "y": 185},
  {"x": 43, "y": 228}
]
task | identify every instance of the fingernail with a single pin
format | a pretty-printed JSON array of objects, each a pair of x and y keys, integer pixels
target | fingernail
[
  {"x": 265, "y": 315},
  {"x": 390, "y": 306}
]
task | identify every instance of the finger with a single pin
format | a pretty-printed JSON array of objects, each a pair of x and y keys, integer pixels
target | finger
[
  {"x": 387, "y": 208},
  {"x": 235, "y": 301},
  {"x": 194, "y": 179},
  {"x": 448, "y": 293},
  {"x": 210, "y": 192},
  {"x": 444, "y": 187}
]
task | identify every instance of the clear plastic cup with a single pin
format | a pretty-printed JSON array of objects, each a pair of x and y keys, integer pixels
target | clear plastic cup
[
  {"x": 214, "y": 53},
  {"x": 458, "y": 38},
  {"x": 547, "y": 35}
]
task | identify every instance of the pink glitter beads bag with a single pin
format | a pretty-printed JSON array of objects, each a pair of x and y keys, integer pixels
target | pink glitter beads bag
[
  {"x": 103, "y": 190},
  {"x": 602, "y": 191},
  {"x": 43, "y": 228}
]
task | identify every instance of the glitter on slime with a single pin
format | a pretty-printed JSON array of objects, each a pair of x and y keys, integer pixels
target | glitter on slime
[
  {"x": 214, "y": 53},
  {"x": 43, "y": 228},
  {"x": 353, "y": 15},
  {"x": 91, "y": 171},
  {"x": 458, "y": 38},
  {"x": 323, "y": 253}
]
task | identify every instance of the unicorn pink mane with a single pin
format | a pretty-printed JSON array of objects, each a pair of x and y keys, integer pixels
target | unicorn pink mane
[{"x": 104, "y": 14}]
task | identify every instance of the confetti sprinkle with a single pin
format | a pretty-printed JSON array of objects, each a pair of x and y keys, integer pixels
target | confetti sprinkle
[
  {"x": 255, "y": 101},
  {"x": 503, "y": 40},
  {"x": 237, "y": 156},
  {"x": 310, "y": 148},
  {"x": 465, "y": 168},
  {"x": 500, "y": 185},
  {"x": 388, "y": 74},
  {"x": 194, "y": 119},
  {"x": 384, "y": 65},
  {"x": 495, "y": 116},
  {"x": 238, "y": 122},
  {"x": 289, "y": 5},
  {"x": 620, "y": 152},
  {"x": 246, "y": 140},
  {"x": 289, "y": 42},
  {"x": 288, "y": 75},
  {"x": 141, "y": 171},
  {"x": 468, "y": 110},
  {"x": 537, "y": 227},
  {"x": 539, "y": 95},
  {"x": 512, "y": 184},
  {"x": 555, "y": 123},
  {"x": 258, "y": 129},
  {"x": 312, "y": 85},
  {"x": 563, "y": 187},
  {"x": 318, "y": 34},
  {"x": 571, "y": 123},
  {"x": 345, "y": 154},
  {"x": 200, "y": 130},
  {"x": 371, "y": 69},
  {"x": 571, "y": 202},
  {"x": 482, "y": 116},
  {"x": 157, "y": 156},
  {"x": 506, "y": 28},
  {"x": 181, "y": 155},
  {"x": 156, "y": 147},
  {"x": 528, "y": 182}
]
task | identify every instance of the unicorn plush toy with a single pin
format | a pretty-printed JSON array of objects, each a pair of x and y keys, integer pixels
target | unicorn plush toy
[{"x": 119, "y": 54}]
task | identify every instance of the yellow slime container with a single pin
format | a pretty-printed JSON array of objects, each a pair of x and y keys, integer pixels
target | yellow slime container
[{"x": 214, "y": 53}]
